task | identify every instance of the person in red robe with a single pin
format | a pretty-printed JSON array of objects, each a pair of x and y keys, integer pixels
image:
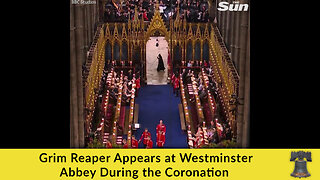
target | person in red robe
[
  {"x": 108, "y": 144},
  {"x": 149, "y": 143},
  {"x": 205, "y": 64},
  {"x": 161, "y": 134},
  {"x": 134, "y": 142},
  {"x": 137, "y": 86},
  {"x": 125, "y": 144},
  {"x": 145, "y": 15},
  {"x": 145, "y": 136},
  {"x": 176, "y": 86}
]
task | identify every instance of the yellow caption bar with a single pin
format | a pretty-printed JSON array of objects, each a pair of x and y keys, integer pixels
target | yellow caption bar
[{"x": 158, "y": 164}]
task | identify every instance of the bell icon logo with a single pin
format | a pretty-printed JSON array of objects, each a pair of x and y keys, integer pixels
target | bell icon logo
[{"x": 300, "y": 168}]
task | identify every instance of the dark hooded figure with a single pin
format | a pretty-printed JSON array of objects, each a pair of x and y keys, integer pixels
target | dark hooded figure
[{"x": 160, "y": 63}]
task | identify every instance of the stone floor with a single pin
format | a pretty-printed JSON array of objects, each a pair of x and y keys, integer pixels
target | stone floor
[{"x": 154, "y": 77}]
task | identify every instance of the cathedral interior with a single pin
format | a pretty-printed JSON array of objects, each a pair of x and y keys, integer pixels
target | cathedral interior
[{"x": 117, "y": 91}]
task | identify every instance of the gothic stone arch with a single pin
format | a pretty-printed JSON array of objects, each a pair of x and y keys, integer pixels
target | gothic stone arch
[{"x": 157, "y": 24}]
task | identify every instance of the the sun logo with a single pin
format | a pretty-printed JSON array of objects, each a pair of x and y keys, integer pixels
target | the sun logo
[{"x": 235, "y": 6}]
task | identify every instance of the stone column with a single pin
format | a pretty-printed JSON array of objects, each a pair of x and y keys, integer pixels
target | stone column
[
  {"x": 230, "y": 32},
  {"x": 246, "y": 102},
  {"x": 227, "y": 30},
  {"x": 99, "y": 3},
  {"x": 92, "y": 20},
  {"x": 219, "y": 19},
  {"x": 212, "y": 8},
  {"x": 80, "y": 55},
  {"x": 85, "y": 27},
  {"x": 94, "y": 17},
  {"x": 241, "y": 122},
  {"x": 232, "y": 37},
  {"x": 236, "y": 35},
  {"x": 74, "y": 138},
  {"x": 101, "y": 10},
  {"x": 90, "y": 24},
  {"x": 89, "y": 16},
  {"x": 223, "y": 24}
]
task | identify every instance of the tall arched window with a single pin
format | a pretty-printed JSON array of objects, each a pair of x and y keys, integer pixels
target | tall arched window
[
  {"x": 108, "y": 51},
  {"x": 116, "y": 51},
  {"x": 189, "y": 50},
  {"x": 177, "y": 53},
  {"x": 205, "y": 55},
  {"x": 197, "y": 51},
  {"x": 124, "y": 51},
  {"x": 136, "y": 54}
]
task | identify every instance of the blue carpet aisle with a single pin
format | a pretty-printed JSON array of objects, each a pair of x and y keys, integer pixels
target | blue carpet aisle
[{"x": 158, "y": 102}]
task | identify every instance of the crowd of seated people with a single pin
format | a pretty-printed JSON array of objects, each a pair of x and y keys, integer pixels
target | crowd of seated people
[
  {"x": 216, "y": 131},
  {"x": 213, "y": 86},
  {"x": 195, "y": 64},
  {"x": 116, "y": 12},
  {"x": 192, "y": 10},
  {"x": 186, "y": 77},
  {"x": 129, "y": 78},
  {"x": 214, "y": 134},
  {"x": 189, "y": 71},
  {"x": 111, "y": 80}
]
